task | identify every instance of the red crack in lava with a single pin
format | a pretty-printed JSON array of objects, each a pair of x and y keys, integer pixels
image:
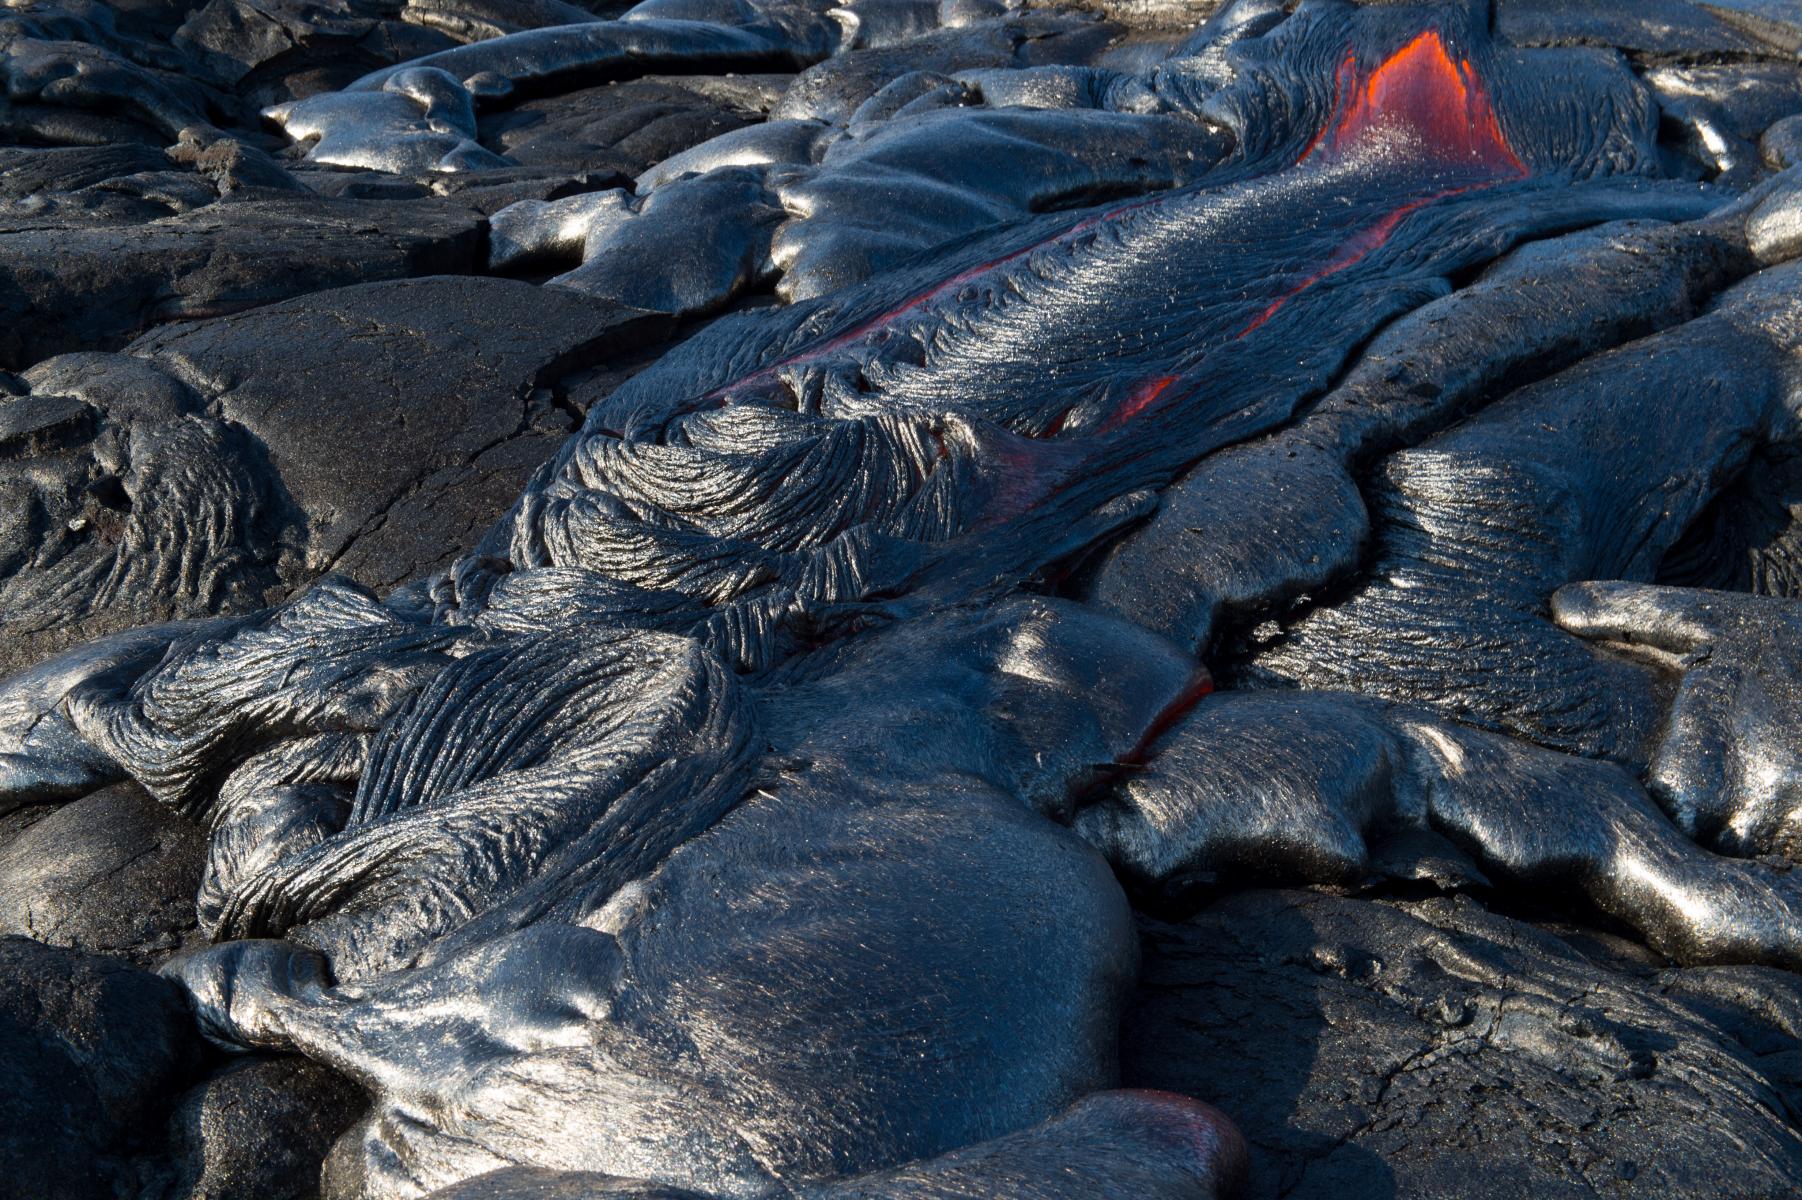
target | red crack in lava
[
  {"x": 1354, "y": 249},
  {"x": 1200, "y": 687},
  {"x": 1420, "y": 89},
  {"x": 1139, "y": 400}
]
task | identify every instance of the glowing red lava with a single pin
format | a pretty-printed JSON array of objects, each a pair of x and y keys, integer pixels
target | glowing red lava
[{"x": 1418, "y": 88}]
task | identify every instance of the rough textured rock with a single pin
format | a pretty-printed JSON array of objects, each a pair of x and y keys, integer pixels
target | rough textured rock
[
  {"x": 114, "y": 872},
  {"x": 79, "y": 284},
  {"x": 1433, "y": 1048},
  {"x": 19, "y": 821},
  {"x": 626, "y": 127},
  {"x": 205, "y": 472},
  {"x": 834, "y": 89},
  {"x": 92, "y": 1051},
  {"x": 265, "y": 49},
  {"x": 32, "y": 170},
  {"x": 259, "y": 1129},
  {"x": 734, "y": 815},
  {"x": 1110, "y": 1146},
  {"x": 453, "y": 409}
]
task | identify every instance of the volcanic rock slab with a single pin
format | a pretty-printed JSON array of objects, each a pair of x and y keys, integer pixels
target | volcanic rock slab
[
  {"x": 258, "y": 1129},
  {"x": 79, "y": 283},
  {"x": 254, "y": 410},
  {"x": 113, "y": 872},
  {"x": 93, "y": 1050},
  {"x": 465, "y": 370},
  {"x": 1416, "y": 1047}
]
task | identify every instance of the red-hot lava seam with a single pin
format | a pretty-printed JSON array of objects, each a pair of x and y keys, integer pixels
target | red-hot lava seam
[
  {"x": 1139, "y": 400},
  {"x": 1200, "y": 686},
  {"x": 1354, "y": 250}
]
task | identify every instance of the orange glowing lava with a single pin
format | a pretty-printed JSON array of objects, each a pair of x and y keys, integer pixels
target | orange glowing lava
[
  {"x": 1419, "y": 88},
  {"x": 1446, "y": 106}
]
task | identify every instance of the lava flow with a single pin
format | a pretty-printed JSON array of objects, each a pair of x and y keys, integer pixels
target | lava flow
[{"x": 1419, "y": 89}]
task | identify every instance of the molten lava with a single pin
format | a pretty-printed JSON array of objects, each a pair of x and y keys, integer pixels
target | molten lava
[{"x": 1419, "y": 88}]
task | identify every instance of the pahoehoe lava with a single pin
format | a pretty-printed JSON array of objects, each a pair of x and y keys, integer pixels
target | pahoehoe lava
[{"x": 746, "y": 598}]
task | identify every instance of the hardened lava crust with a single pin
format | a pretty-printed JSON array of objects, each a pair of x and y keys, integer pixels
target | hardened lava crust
[{"x": 911, "y": 600}]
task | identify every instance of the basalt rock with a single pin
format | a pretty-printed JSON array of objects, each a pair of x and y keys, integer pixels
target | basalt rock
[
  {"x": 95, "y": 1050},
  {"x": 259, "y": 1129},
  {"x": 1414, "y": 1047},
  {"x": 466, "y": 369},
  {"x": 1122, "y": 1144},
  {"x": 628, "y": 127},
  {"x": 114, "y": 872},
  {"x": 80, "y": 281},
  {"x": 203, "y": 472}
]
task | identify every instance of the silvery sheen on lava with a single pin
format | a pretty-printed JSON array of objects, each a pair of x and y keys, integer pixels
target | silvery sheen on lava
[{"x": 722, "y": 594}]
